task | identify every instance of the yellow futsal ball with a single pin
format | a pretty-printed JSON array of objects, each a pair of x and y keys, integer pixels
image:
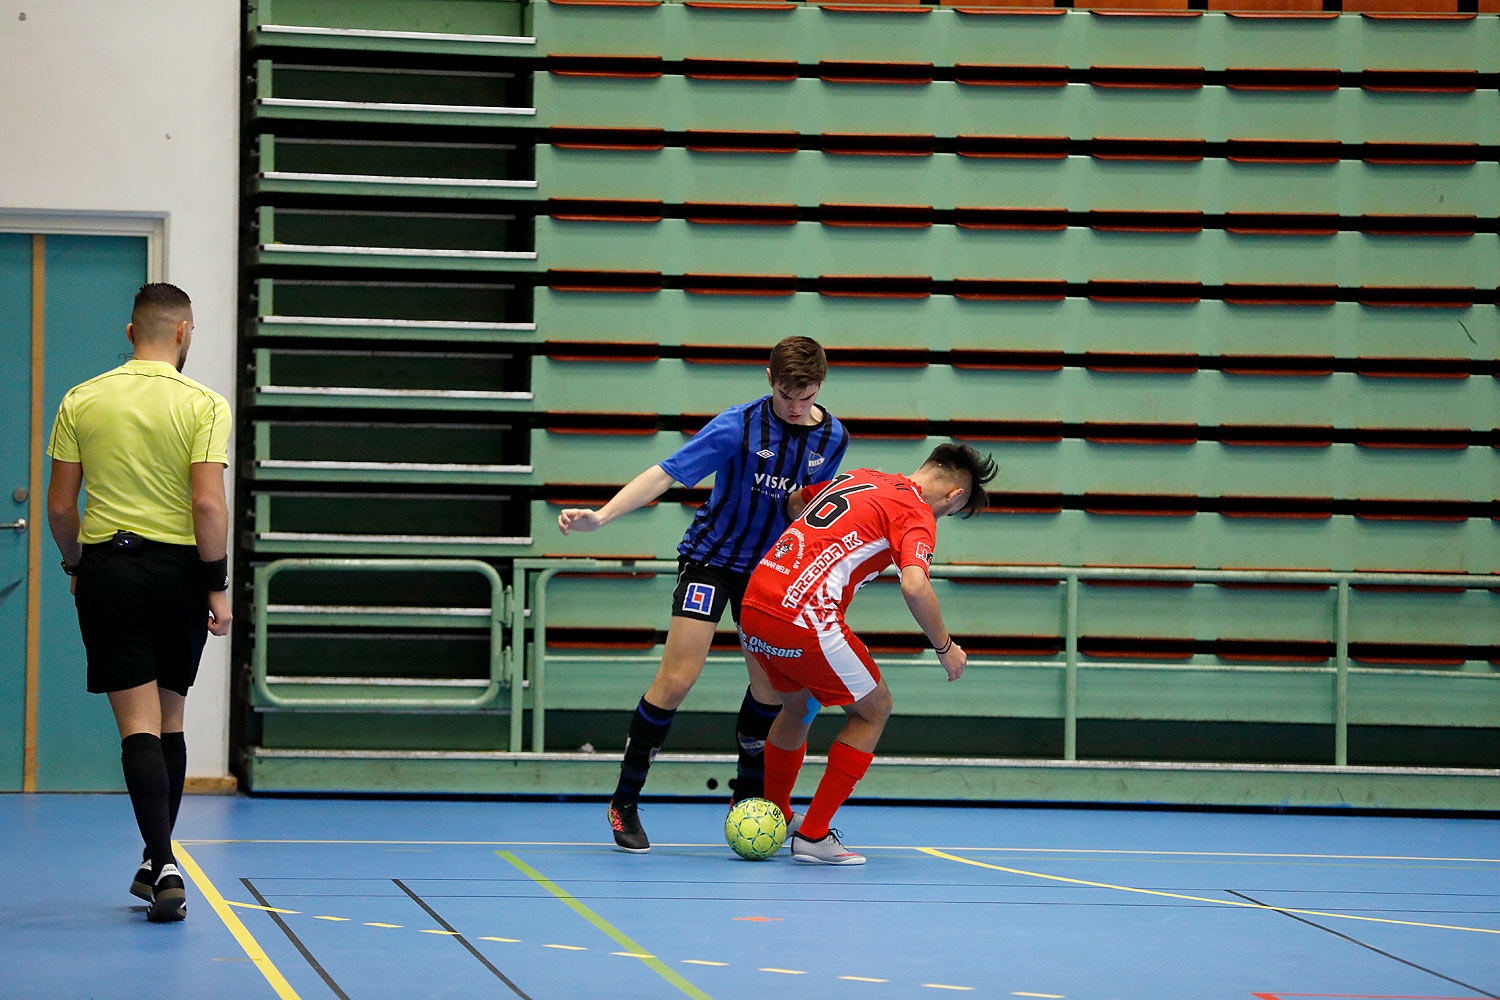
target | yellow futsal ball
[{"x": 755, "y": 829}]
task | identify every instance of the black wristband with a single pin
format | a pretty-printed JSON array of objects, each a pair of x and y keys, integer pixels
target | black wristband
[
  {"x": 70, "y": 570},
  {"x": 945, "y": 646},
  {"x": 215, "y": 574}
]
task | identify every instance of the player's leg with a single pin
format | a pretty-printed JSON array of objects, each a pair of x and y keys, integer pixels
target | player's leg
[
  {"x": 758, "y": 710},
  {"x": 137, "y": 710},
  {"x": 138, "y": 715},
  {"x": 786, "y": 745},
  {"x": 688, "y": 642},
  {"x": 113, "y": 599},
  {"x": 179, "y": 645},
  {"x": 174, "y": 746},
  {"x": 848, "y": 760},
  {"x": 686, "y": 649},
  {"x": 174, "y": 752},
  {"x": 177, "y": 627},
  {"x": 868, "y": 705}
]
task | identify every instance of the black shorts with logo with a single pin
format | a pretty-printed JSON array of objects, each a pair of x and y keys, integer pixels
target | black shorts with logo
[
  {"x": 143, "y": 612},
  {"x": 703, "y": 592}
]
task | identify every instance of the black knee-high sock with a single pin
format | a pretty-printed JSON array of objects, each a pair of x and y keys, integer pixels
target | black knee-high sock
[
  {"x": 752, "y": 727},
  {"x": 648, "y": 731},
  {"x": 146, "y": 781},
  {"x": 174, "y": 749}
]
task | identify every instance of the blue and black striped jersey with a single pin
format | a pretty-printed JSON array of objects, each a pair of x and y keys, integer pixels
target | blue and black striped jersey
[{"x": 759, "y": 458}]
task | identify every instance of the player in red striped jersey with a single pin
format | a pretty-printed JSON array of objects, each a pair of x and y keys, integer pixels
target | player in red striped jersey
[{"x": 792, "y": 621}]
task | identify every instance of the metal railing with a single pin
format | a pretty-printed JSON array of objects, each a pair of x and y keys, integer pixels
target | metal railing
[
  {"x": 500, "y": 659},
  {"x": 532, "y": 577},
  {"x": 522, "y": 663}
]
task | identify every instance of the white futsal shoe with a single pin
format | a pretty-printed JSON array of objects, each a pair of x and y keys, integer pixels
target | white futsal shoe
[{"x": 828, "y": 851}]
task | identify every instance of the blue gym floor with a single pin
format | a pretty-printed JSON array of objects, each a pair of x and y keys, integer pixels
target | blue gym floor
[{"x": 370, "y": 899}]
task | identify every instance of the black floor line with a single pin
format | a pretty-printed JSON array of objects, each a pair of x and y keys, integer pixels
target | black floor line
[
  {"x": 465, "y": 941},
  {"x": 296, "y": 941},
  {"x": 1371, "y": 947}
]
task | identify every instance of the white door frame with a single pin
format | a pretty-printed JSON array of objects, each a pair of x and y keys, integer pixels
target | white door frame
[{"x": 61, "y": 222}]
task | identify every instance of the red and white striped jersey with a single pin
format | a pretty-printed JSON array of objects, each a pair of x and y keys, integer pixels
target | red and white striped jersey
[{"x": 853, "y": 527}]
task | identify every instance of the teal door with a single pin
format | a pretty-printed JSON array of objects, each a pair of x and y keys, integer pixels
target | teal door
[
  {"x": 15, "y": 513},
  {"x": 88, "y": 283}
]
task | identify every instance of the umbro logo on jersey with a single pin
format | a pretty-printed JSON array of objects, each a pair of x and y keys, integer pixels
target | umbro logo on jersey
[{"x": 766, "y": 453}]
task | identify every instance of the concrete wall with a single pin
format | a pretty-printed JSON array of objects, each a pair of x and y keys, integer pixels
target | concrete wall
[{"x": 133, "y": 108}]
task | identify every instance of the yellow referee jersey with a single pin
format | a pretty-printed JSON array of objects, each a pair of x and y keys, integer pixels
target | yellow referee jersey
[{"x": 137, "y": 430}]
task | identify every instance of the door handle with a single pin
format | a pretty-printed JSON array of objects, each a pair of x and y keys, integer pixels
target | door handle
[{"x": 19, "y": 524}]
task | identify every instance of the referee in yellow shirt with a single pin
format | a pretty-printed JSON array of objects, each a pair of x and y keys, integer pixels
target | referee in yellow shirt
[{"x": 149, "y": 564}]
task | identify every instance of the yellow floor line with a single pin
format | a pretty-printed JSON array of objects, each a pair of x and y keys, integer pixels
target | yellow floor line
[
  {"x": 655, "y": 964},
  {"x": 252, "y": 948},
  {"x": 257, "y": 906},
  {"x": 1203, "y": 899}
]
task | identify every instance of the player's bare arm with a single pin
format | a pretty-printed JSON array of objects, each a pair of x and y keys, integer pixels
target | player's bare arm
[
  {"x": 210, "y": 530},
  {"x": 640, "y": 491},
  {"x": 923, "y": 604},
  {"x": 62, "y": 509}
]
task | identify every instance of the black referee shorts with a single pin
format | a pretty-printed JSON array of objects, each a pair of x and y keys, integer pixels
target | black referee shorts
[{"x": 143, "y": 612}]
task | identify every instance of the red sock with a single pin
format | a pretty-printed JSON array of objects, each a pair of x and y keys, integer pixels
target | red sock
[
  {"x": 782, "y": 767},
  {"x": 846, "y": 766}
]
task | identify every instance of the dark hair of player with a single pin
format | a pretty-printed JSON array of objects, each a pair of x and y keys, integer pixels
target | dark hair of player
[
  {"x": 798, "y": 362},
  {"x": 962, "y": 461}
]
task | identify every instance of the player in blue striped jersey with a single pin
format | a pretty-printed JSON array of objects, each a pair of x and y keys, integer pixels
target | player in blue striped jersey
[{"x": 759, "y": 452}]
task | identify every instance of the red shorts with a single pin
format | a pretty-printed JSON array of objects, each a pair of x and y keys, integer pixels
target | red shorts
[{"x": 832, "y": 663}]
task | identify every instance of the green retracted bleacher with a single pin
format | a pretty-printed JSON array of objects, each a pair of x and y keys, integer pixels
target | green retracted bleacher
[{"x": 1217, "y": 290}]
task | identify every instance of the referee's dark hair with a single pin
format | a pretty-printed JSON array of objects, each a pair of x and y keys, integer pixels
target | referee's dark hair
[
  {"x": 156, "y": 298},
  {"x": 962, "y": 460}
]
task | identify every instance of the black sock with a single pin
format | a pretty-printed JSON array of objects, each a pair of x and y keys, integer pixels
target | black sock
[
  {"x": 174, "y": 749},
  {"x": 752, "y": 727},
  {"x": 648, "y": 731},
  {"x": 146, "y": 780}
]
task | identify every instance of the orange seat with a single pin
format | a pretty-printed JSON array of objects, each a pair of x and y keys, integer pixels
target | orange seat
[
  {"x": 1400, "y": 6},
  {"x": 1132, "y": 6},
  {"x": 1269, "y": 6},
  {"x": 1036, "y": 6}
]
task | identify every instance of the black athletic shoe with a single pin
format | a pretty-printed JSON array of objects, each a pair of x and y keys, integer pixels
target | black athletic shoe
[
  {"x": 140, "y": 886},
  {"x": 625, "y": 821},
  {"x": 168, "y": 896}
]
